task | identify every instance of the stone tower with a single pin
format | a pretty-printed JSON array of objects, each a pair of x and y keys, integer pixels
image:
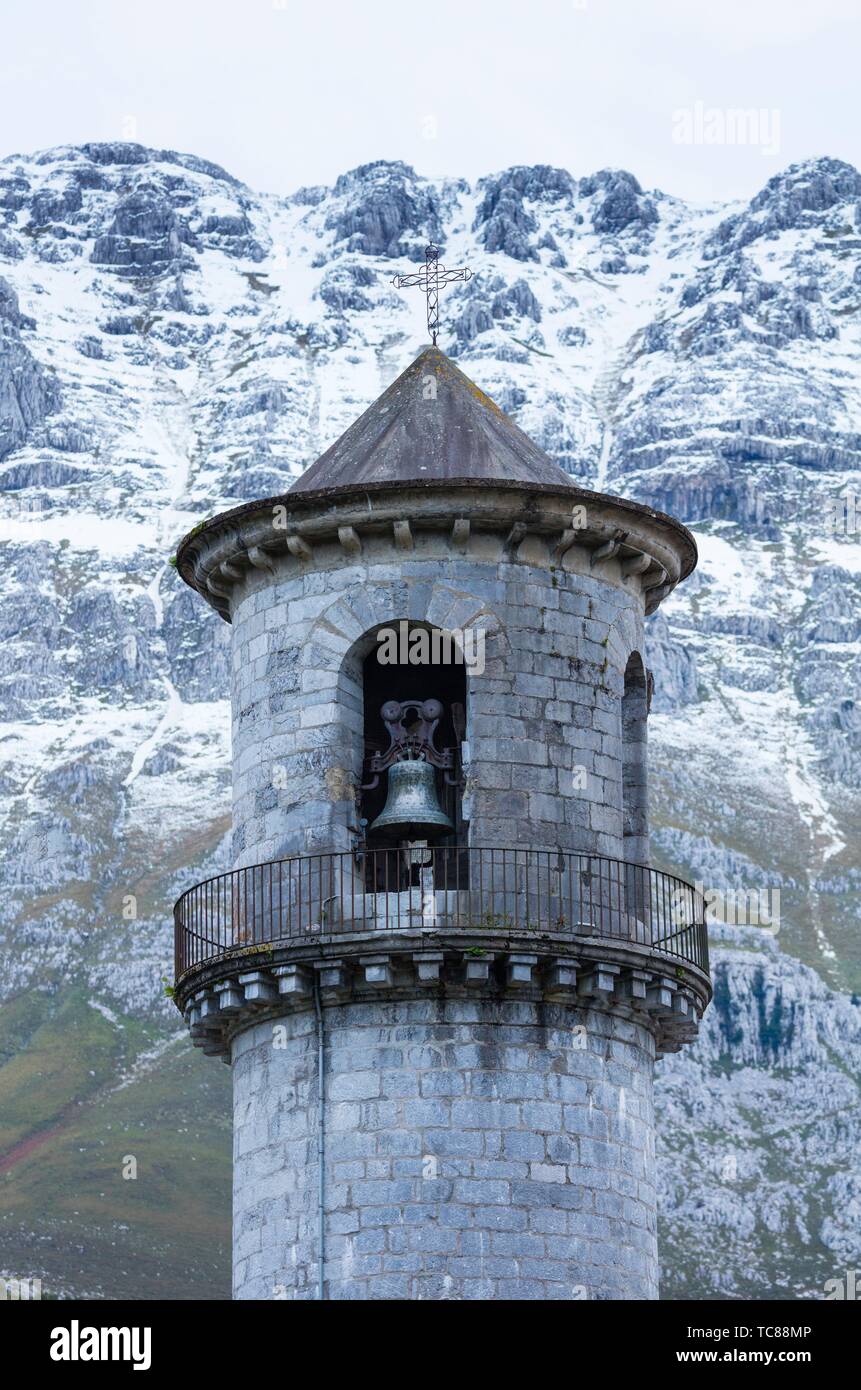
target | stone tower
[{"x": 442, "y": 1049}]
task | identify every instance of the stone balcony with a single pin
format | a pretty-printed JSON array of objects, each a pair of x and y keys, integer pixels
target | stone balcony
[{"x": 388, "y": 923}]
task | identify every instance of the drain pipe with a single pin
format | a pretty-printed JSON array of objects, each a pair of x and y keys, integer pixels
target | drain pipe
[{"x": 321, "y": 1144}]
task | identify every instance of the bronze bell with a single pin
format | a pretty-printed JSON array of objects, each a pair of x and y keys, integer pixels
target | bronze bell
[{"x": 412, "y": 811}]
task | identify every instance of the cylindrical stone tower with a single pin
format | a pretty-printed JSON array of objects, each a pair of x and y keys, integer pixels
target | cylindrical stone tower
[{"x": 442, "y": 1053}]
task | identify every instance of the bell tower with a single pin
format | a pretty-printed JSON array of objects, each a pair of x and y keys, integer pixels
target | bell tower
[{"x": 442, "y": 967}]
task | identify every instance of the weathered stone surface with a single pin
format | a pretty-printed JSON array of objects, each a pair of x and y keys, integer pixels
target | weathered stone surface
[
  {"x": 503, "y": 221},
  {"x": 28, "y": 392},
  {"x": 432, "y": 422},
  {"x": 145, "y": 237},
  {"x": 786, "y": 200},
  {"x": 474, "y": 1150},
  {"x": 462, "y": 1171},
  {"x": 564, "y": 689},
  {"x": 620, "y": 203},
  {"x": 383, "y": 209}
]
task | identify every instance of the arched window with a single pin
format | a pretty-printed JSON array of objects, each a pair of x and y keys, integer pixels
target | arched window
[
  {"x": 635, "y": 702},
  {"x": 414, "y": 662}
]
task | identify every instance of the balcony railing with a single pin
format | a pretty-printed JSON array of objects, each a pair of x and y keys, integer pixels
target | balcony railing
[{"x": 512, "y": 891}]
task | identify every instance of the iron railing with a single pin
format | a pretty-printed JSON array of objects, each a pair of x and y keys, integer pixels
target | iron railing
[{"x": 517, "y": 891}]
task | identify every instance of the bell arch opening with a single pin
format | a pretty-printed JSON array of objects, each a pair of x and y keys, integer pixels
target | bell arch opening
[{"x": 414, "y": 697}]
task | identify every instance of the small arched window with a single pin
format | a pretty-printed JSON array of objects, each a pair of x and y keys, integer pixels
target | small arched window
[{"x": 635, "y": 707}]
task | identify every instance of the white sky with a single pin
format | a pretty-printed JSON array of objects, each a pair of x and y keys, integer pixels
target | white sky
[{"x": 290, "y": 92}]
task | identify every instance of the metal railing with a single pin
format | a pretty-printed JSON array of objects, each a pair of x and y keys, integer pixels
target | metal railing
[{"x": 516, "y": 891}]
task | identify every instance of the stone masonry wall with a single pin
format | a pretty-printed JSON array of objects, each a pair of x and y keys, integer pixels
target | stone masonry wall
[
  {"x": 475, "y": 1149},
  {"x": 547, "y": 705}
]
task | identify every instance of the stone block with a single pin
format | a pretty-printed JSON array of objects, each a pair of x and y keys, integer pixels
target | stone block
[
  {"x": 428, "y": 965},
  {"x": 378, "y": 970},
  {"x": 519, "y": 968},
  {"x": 259, "y": 988},
  {"x": 294, "y": 981},
  {"x": 477, "y": 968},
  {"x": 560, "y": 976},
  {"x": 229, "y": 997},
  {"x": 598, "y": 982},
  {"x": 334, "y": 975}
]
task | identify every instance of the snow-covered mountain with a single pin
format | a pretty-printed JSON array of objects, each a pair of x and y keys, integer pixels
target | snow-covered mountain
[{"x": 172, "y": 343}]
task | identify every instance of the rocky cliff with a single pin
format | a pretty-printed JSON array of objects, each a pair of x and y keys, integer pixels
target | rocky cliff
[{"x": 172, "y": 343}]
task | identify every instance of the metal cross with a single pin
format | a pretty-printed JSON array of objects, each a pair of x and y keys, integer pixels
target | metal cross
[{"x": 430, "y": 279}]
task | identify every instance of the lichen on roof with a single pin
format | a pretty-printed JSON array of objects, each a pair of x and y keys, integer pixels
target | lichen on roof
[{"x": 408, "y": 434}]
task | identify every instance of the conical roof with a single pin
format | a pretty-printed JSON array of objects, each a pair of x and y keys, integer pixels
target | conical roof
[{"x": 432, "y": 423}]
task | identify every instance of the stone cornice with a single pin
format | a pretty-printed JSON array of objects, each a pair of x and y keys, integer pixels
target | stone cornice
[
  {"x": 535, "y": 524},
  {"x": 226, "y": 995}
]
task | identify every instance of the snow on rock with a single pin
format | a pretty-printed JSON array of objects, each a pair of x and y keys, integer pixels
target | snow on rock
[{"x": 173, "y": 343}]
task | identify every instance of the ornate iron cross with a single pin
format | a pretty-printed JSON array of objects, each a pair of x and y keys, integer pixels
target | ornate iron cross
[{"x": 430, "y": 279}]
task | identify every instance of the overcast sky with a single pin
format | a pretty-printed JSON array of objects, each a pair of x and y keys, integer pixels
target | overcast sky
[{"x": 290, "y": 92}]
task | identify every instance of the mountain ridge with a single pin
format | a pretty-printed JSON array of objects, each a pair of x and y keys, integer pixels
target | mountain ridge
[{"x": 172, "y": 344}]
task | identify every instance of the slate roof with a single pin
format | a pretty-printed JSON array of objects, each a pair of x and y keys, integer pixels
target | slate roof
[{"x": 432, "y": 423}]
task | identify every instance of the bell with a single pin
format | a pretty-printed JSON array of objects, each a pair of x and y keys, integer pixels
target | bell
[{"x": 412, "y": 811}]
